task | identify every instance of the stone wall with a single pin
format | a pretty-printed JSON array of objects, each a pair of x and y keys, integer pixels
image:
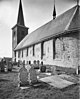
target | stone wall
[{"x": 67, "y": 51}]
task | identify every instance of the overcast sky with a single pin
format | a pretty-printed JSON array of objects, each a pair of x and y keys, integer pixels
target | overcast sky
[{"x": 36, "y": 13}]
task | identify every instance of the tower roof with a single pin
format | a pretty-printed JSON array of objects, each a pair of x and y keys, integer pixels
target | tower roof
[{"x": 20, "y": 20}]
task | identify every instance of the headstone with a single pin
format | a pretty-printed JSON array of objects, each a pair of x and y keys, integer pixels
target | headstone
[
  {"x": 38, "y": 62},
  {"x": 9, "y": 66},
  {"x": 2, "y": 66},
  {"x": 20, "y": 64},
  {"x": 43, "y": 69},
  {"x": 53, "y": 70},
  {"x": 27, "y": 66},
  {"x": 32, "y": 76},
  {"x": 34, "y": 61},
  {"x": 23, "y": 75}
]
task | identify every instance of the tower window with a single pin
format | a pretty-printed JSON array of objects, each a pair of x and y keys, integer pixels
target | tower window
[{"x": 22, "y": 34}]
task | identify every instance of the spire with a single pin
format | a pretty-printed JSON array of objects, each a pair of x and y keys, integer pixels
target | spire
[
  {"x": 77, "y": 2},
  {"x": 54, "y": 11},
  {"x": 20, "y": 20}
]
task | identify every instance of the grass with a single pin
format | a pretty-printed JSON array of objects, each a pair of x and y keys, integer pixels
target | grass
[{"x": 9, "y": 89}]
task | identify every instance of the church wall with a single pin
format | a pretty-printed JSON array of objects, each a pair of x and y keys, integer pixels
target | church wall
[
  {"x": 14, "y": 38},
  {"x": 14, "y": 42},
  {"x": 48, "y": 52},
  {"x": 79, "y": 47},
  {"x": 37, "y": 52},
  {"x": 66, "y": 51}
]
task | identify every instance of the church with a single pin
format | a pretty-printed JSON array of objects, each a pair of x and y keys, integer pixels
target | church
[{"x": 56, "y": 43}]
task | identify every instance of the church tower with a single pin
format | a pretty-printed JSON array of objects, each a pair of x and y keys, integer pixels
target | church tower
[{"x": 19, "y": 31}]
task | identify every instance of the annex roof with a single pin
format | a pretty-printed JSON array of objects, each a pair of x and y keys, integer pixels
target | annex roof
[{"x": 67, "y": 21}]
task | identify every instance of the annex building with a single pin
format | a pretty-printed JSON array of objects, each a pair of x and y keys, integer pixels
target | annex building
[{"x": 55, "y": 43}]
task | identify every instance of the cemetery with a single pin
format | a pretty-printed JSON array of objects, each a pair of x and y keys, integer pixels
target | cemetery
[
  {"x": 26, "y": 82},
  {"x": 28, "y": 75}
]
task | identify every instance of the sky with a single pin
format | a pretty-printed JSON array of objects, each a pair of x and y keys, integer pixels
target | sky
[{"x": 36, "y": 14}]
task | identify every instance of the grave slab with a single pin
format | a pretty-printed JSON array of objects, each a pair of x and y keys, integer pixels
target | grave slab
[{"x": 56, "y": 81}]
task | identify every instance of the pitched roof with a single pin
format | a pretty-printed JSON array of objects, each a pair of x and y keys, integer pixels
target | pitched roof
[{"x": 67, "y": 21}]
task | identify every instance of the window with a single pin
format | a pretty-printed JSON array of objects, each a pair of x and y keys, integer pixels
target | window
[
  {"x": 33, "y": 51},
  {"x": 53, "y": 49},
  {"x": 42, "y": 45},
  {"x": 44, "y": 49},
  {"x": 27, "y": 52},
  {"x": 22, "y": 53},
  {"x": 14, "y": 34},
  {"x": 15, "y": 53},
  {"x": 18, "y": 53}
]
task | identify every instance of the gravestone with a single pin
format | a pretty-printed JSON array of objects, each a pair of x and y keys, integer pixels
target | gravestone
[
  {"x": 53, "y": 70},
  {"x": 32, "y": 76},
  {"x": 27, "y": 66},
  {"x": 2, "y": 66},
  {"x": 21, "y": 64},
  {"x": 43, "y": 69},
  {"x": 23, "y": 75}
]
